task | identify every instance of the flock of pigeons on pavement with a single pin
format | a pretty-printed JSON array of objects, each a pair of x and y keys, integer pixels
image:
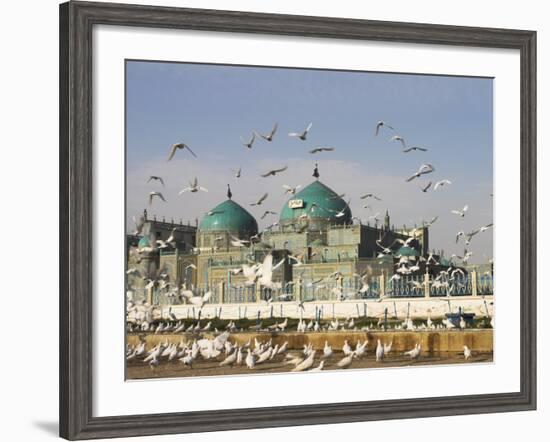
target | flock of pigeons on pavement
[{"x": 222, "y": 351}]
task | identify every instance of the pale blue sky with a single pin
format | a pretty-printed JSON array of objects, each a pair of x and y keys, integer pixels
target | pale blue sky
[{"x": 210, "y": 107}]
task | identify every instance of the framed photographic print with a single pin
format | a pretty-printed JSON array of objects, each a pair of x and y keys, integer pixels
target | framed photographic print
[{"x": 309, "y": 217}]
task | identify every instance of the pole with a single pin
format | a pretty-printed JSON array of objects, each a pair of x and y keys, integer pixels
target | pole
[{"x": 385, "y": 318}]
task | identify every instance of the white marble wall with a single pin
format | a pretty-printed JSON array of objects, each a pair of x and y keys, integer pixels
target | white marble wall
[{"x": 418, "y": 308}]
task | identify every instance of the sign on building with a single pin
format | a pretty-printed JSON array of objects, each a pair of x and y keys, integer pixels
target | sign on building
[{"x": 296, "y": 204}]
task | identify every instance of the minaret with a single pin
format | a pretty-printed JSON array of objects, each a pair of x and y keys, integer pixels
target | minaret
[
  {"x": 316, "y": 172},
  {"x": 387, "y": 221},
  {"x": 229, "y": 194}
]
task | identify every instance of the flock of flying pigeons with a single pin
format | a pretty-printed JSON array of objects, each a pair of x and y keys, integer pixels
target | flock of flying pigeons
[
  {"x": 381, "y": 126},
  {"x": 263, "y": 272}
]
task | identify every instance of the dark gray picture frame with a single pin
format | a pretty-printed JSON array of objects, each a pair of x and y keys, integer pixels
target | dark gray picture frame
[{"x": 77, "y": 20}]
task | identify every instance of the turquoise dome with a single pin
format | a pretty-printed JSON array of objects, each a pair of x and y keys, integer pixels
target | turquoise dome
[
  {"x": 407, "y": 251},
  {"x": 229, "y": 216},
  {"x": 317, "y": 201}
]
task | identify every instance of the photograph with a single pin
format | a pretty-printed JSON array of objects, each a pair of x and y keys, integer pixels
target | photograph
[{"x": 288, "y": 219}]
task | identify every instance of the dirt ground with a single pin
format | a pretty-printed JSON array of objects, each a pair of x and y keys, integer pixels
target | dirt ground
[{"x": 137, "y": 369}]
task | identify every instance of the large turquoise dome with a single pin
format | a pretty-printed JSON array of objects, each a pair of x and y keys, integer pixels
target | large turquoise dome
[
  {"x": 317, "y": 201},
  {"x": 229, "y": 216}
]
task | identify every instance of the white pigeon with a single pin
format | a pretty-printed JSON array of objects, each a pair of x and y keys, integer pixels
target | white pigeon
[
  {"x": 198, "y": 301},
  {"x": 415, "y": 352},
  {"x": 283, "y": 348},
  {"x": 301, "y": 135},
  {"x": 290, "y": 189},
  {"x": 250, "y": 360},
  {"x": 187, "y": 360},
  {"x": 400, "y": 139},
  {"x": 346, "y": 362},
  {"x": 318, "y": 368},
  {"x": 379, "y": 351},
  {"x": 381, "y": 124},
  {"x": 346, "y": 349},
  {"x": 441, "y": 184},
  {"x": 327, "y": 350},
  {"x": 193, "y": 187},
  {"x": 269, "y": 136},
  {"x": 306, "y": 364},
  {"x": 180, "y": 146},
  {"x": 422, "y": 170},
  {"x": 462, "y": 212},
  {"x": 265, "y": 271},
  {"x": 360, "y": 349}
]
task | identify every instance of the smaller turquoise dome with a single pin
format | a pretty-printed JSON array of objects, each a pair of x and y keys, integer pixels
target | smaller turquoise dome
[
  {"x": 144, "y": 242},
  {"x": 229, "y": 216},
  {"x": 407, "y": 251}
]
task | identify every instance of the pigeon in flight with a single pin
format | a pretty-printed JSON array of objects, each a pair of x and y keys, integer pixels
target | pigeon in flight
[
  {"x": 290, "y": 189},
  {"x": 423, "y": 149},
  {"x": 156, "y": 178},
  {"x": 157, "y": 194},
  {"x": 193, "y": 187},
  {"x": 381, "y": 124},
  {"x": 260, "y": 201},
  {"x": 322, "y": 149},
  {"x": 441, "y": 184},
  {"x": 426, "y": 187},
  {"x": 370, "y": 195},
  {"x": 422, "y": 170},
  {"x": 177, "y": 146},
  {"x": 267, "y": 212},
  {"x": 400, "y": 139},
  {"x": 269, "y": 136},
  {"x": 301, "y": 135},
  {"x": 462, "y": 212},
  {"x": 250, "y": 142},
  {"x": 274, "y": 172}
]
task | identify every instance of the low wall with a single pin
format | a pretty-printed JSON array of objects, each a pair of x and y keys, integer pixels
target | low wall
[{"x": 431, "y": 341}]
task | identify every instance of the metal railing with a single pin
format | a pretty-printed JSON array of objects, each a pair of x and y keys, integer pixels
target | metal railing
[{"x": 346, "y": 289}]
